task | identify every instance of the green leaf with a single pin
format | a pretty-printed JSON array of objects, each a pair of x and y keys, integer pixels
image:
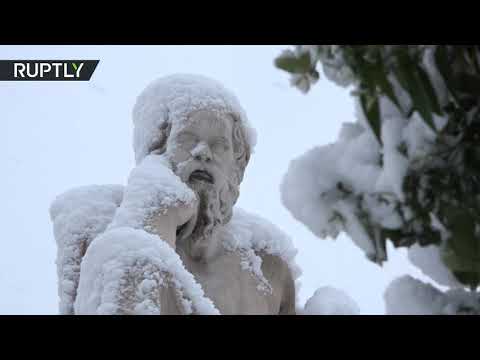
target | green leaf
[
  {"x": 471, "y": 279},
  {"x": 305, "y": 62},
  {"x": 287, "y": 63},
  {"x": 444, "y": 67},
  {"x": 429, "y": 90},
  {"x": 463, "y": 241},
  {"x": 469, "y": 84},
  {"x": 407, "y": 74},
  {"x": 373, "y": 76},
  {"x": 380, "y": 75},
  {"x": 462, "y": 251},
  {"x": 371, "y": 109},
  {"x": 464, "y": 270},
  {"x": 472, "y": 53},
  {"x": 387, "y": 88},
  {"x": 294, "y": 64}
]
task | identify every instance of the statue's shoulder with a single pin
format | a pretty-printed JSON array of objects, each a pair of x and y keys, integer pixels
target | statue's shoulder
[
  {"x": 247, "y": 231},
  {"x": 79, "y": 215},
  {"x": 85, "y": 208}
]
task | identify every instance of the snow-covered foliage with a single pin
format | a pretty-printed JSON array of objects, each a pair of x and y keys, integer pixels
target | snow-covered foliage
[
  {"x": 334, "y": 188},
  {"x": 301, "y": 63},
  {"x": 407, "y": 171},
  {"x": 167, "y": 102},
  {"x": 330, "y": 301},
  {"x": 409, "y": 296}
]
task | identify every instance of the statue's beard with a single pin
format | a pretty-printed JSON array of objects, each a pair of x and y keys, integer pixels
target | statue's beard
[{"x": 215, "y": 206}]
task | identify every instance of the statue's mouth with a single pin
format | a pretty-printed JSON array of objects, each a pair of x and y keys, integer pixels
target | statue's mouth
[{"x": 201, "y": 175}]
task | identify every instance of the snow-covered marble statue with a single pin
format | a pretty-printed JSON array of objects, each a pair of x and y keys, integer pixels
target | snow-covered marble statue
[{"x": 171, "y": 240}]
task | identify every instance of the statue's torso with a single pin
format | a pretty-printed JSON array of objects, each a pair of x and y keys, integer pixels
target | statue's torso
[{"x": 236, "y": 290}]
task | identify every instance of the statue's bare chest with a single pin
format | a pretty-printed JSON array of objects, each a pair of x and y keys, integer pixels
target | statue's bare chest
[{"x": 233, "y": 287}]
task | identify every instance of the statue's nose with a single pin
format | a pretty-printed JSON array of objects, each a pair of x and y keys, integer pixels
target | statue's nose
[{"x": 202, "y": 152}]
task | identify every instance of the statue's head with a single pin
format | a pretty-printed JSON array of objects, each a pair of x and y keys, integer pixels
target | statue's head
[{"x": 202, "y": 130}]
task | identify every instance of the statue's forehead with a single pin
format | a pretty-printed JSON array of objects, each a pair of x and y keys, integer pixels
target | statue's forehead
[
  {"x": 210, "y": 116},
  {"x": 201, "y": 117}
]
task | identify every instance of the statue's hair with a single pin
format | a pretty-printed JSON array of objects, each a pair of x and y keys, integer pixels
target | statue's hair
[{"x": 241, "y": 149}]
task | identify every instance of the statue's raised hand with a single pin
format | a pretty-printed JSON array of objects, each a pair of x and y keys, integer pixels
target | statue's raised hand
[
  {"x": 156, "y": 200},
  {"x": 177, "y": 219}
]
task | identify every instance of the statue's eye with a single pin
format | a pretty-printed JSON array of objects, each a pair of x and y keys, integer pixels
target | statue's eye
[
  {"x": 186, "y": 140},
  {"x": 220, "y": 145}
]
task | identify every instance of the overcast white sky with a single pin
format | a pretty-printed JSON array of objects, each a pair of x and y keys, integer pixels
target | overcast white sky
[{"x": 57, "y": 135}]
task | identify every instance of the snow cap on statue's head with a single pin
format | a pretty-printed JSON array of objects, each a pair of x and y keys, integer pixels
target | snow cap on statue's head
[{"x": 165, "y": 105}]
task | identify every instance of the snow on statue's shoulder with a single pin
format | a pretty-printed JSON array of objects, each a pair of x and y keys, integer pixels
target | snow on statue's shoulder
[
  {"x": 92, "y": 197},
  {"x": 251, "y": 233},
  {"x": 78, "y": 216}
]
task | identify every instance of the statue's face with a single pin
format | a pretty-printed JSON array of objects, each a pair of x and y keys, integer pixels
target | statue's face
[
  {"x": 202, "y": 151},
  {"x": 202, "y": 155}
]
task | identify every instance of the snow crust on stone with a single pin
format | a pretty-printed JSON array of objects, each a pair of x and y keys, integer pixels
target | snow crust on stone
[
  {"x": 78, "y": 216},
  {"x": 171, "y": 99},
  {"x": 330, "y": 301},
  {"x": 123, "y": 253},
  {"x": 125, "y": 247},
  {"x": 409, "y": 296}
]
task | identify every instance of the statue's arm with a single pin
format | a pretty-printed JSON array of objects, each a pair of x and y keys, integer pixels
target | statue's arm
[
  {"x": 127, "y": 271},
  {"x": 130, "y": 271},
  {"x": 287, "y": 304},
  {"x": 144, "y": 289},
  {"x": 132, "y": 267}
]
